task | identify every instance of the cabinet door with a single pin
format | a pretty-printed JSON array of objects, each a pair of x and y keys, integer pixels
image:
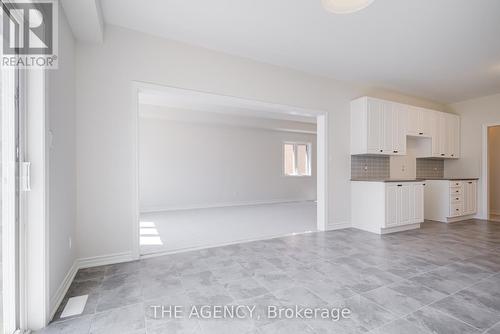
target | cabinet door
[
  {"x": 418, "y": 203},
  {"x": 442, "y": 135},
  {"x": 387, "y": 127},
  {"x": 400, "y": 128},
  {"x": 374, "y": 127},
  {"x": 427, "y": 118},
  {"x": 413, "y": 121},
  {"x": 453, "y": 136},
  {"x": 391, "y": 205},
  {"x": 403, "y": 204},
  {"x": 470, "y": 197}
]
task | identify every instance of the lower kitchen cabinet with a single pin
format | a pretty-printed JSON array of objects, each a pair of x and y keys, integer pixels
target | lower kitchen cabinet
[
  {"x": 450, "y": 200},
  {"x": 385, "y": 207}
]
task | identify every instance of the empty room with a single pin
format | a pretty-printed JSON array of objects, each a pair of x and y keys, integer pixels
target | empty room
[
  {"x": 265, "y": 166},
  {"x": 215, "y": 174}
]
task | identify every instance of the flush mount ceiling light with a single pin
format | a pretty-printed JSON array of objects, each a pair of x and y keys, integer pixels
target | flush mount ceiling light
[{"x": 345, "y": 6}]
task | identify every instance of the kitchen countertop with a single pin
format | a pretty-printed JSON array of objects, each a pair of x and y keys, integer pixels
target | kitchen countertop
[{"x": 413, "y": 180}]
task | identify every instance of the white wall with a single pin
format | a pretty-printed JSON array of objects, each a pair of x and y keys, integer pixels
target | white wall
[
  {"x": 474, "y": 114},
  {"x": 62, "y": 160},
  {"x": 104, "y": 120},
  {"x": 494, "y": 169},
  {"x": 196, "y": 165}
]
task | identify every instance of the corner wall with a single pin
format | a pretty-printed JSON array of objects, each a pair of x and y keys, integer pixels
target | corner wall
[{"x": 62, "y": 163}]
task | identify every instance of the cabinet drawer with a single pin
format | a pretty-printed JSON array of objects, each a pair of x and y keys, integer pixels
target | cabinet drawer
[
  {"x": 456, "y": 191},
  {"x": 458, "y": 198},
  {"x": 456, "y": 209},
  {"x": 456, "y": 184}
]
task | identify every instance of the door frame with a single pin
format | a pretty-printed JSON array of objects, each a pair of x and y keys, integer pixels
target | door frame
[
  {"x": 10, "y": 230},
  {"x": 321, "y": 146},
  {"x": 485, "y": 191}
]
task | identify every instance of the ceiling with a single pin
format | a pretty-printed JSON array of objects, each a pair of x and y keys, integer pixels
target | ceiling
[{"x": 444, "y": 50}]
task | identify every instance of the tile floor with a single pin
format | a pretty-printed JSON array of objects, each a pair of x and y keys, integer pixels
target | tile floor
[{"x": 439, "y": 279}]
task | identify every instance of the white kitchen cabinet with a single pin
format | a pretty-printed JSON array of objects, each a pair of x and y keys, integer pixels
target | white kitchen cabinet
[
  {"x": 470, "y": 197},
  {"x": 450, "y": 200},
  {"x": 446, "y": 136},
  {"x": 378, "y": 127},
  {"x": 385, "y": 207},
  {"x": 420, "y": 122}
]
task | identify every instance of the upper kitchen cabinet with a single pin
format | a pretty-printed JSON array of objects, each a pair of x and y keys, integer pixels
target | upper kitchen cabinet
[
  {"x": 445, "y": 137},
  {"x": 378, "y": 127},
  {"x": 420, "y": 122},
  {"x": 381, "y": 127}
]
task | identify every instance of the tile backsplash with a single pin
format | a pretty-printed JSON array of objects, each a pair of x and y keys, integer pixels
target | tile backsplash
[
  {"x": 430, "y": 168},
  {"x": 369, "y": 167}
]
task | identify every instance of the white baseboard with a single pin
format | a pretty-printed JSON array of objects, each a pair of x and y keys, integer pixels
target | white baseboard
[
  {"x": 56, "y": 300},
  {"x": 338, "y": 226},
  {"x": 222, "y": 205},
  {"x": 103, "y": 260}
]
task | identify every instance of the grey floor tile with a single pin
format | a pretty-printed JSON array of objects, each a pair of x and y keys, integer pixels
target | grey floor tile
[
  {"x": 494, "y": 330},
  {"x": 117, "y": 321},
  {"x": 186, "y": 326},
  {"x": 394, "y": 271},
  {"x": 366, "y": 313},
  {"x": 394, "y": 301},
  {"x": 75, "y": 326},
  {"x": 400, "y": 326},
  {"x": 433, "y": 321},
  {"x": 245, "y": 288},
  {"x": 286, "y": 327},
  {"x": 479, "y": 310},
  {"x": 299, "y": 296},
  {"x": 119, "y": 297},
  {"x": 417, "y": 291}
]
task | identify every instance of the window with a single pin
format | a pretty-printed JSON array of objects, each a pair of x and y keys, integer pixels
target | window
[{"x": 297, "y": 159}]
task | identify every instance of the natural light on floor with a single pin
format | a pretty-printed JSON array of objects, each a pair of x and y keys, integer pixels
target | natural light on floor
[{"x": 149, "y": 234}]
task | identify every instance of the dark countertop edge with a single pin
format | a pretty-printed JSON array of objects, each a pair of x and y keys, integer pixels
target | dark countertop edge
[{"x": 414, "y": 180}]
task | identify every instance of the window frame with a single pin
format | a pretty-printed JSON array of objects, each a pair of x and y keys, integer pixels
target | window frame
[{"x": 295, "y": 159}]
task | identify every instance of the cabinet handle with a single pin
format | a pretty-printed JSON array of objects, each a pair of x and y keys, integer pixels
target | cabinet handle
[
  {"x": 470, "y": 182},
  {"x": 442, "y": 154},
  {"x": 400, "y": 185},
  {"x": 457, "y": 209},
  {"x": 420, "y": 133},
  {"x": 381, "y": 150},
  {"x": 395, "y": 151},
  {"x": 457, "y": 198},
  {"x": 453, "y": 155}
]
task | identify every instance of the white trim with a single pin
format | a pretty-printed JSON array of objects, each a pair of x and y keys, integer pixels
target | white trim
[
  {"x": 388, "y": 230},
  {"x": 485, "y": 205},
  {"x": 9, "y": 235},
  {"x": 338, "y": 226},
  {"x": 103, "y": 260},
  {"x": 260, "y": 108},
  {"x": 58, "y": 297},
  {"x": 220, "y": 205}
]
